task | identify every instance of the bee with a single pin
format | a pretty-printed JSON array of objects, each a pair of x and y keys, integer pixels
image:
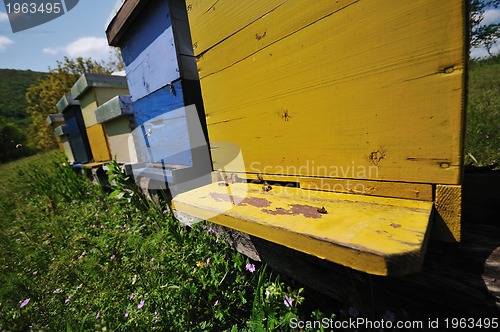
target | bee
[{"x": 322, "y": 210}]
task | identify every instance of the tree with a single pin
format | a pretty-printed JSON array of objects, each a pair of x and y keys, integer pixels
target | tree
[
  {"x": 483, "y": 35},
  {"x": 43, "y": 96},
  {"x": 13, "y": 143}
]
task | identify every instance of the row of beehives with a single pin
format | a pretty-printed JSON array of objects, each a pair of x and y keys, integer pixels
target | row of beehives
[
  {"x": 141, "y": 120},
  {"x": 328, "y": 96}
]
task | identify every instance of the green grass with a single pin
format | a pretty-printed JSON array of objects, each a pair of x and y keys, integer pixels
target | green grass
[
  {"x": 90, "y": 260},
  {"x": 482, "y": 140}
]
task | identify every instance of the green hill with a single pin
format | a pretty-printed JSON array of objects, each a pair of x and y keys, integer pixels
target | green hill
[{"x": 13, "y": 85}]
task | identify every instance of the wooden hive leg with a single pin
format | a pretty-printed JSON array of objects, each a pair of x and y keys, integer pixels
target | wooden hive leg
[{"x": 448, "y": 213}]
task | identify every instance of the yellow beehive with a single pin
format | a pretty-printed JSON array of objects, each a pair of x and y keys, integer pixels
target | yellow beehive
[
  {"x": 93, "y": 90},
  {"x": 342, "y": 99},
  {"x": 117, "y": 117}
]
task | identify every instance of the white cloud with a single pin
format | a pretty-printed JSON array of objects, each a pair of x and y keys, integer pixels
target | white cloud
[
  {"x": 4, "y": 17},
  {"x": 53, "y": 50},
  {"x": 86, "y": 47},
  {"x": 480, "y": 52},
  {"x": 491, "y": 16},
  {"x": 4, "y": 42}
]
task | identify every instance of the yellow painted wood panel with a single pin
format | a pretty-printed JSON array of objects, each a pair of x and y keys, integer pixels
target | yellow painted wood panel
[
  {"x": 120, "y": 140},
  {"x": 264, "y": 31},
  {"x": 384, "y": 236},
  {"x": 226, "y": 17},
  {"x": 418, "y": 191},
  {"x": 371, "y": 85},
  {"x": 98, "y": 143}
]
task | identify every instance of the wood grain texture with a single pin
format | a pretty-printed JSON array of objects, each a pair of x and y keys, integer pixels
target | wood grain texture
[
  {"x": 448, "y": 216},
  {"x": 457, "y": 279},
  {"x": 157, "y": 48},
  {"x": 335, "y": 87},
  {"x": 227, "y": 18},
  {"x": 382, "y": 236}
]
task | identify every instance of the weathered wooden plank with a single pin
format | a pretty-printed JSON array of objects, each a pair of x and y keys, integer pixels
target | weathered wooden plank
[
  {"x": 121, "y": 20},
  {"x": 418, "y": 191},
  {"x": 154, "y": 68},
  {"x": 457, "y": 279},
  {"x": 448, "y": 204},
  {"x": 383, "y": 236},
  {"x": 264, "y": 31},
  {"x": 159, "y": 102},
  {"x": 383, "y": 100},
  {"x": 156, "y": 48},
  {"x": 226, "y": 17}
]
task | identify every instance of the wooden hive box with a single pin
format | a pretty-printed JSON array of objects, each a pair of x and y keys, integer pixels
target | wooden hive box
[
  {"x": 348, "y": 116},
  {"x": 161, "y": 72},
  {"x": 54, "y": 121},
  {"x": 93, "y": 90},
  {"x": 118, "y": 119},
  {"x": 62, "y": 132},
  {"x": 77, "y": 135}
]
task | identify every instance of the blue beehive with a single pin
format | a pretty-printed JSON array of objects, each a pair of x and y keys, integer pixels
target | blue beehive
[
  {"x": 75, "y": 128},
  {"x": 163, "y": 80}
]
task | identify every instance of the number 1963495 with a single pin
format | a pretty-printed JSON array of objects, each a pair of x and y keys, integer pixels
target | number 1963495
[{"x": 33, "y": 8}]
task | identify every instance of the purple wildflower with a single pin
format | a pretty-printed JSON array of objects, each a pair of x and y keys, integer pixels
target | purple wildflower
[
  {"x": 25, "y": 302},
  {"x": 140, "y": 305},
  {"x": 250, "y": 268},
  {"x": 98, "y": 314},
  {"x": 127, "y": 312},
  {"x": 112, "y": 257},
  {"x": 69, "y": 297},
  {"x": 288, "y": 301}
]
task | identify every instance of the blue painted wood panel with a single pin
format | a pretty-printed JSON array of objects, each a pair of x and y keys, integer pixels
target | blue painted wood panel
[
  {"x": 154, "y": 68},
  {"x": 159, "y": 102},
  {"x": 157, "y": 49},
  {"x": 153, "y": 20},
  {"x": 77, "y": 134}
]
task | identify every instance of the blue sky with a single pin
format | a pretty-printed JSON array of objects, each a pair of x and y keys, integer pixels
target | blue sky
[{"x": 79, "y": 32}]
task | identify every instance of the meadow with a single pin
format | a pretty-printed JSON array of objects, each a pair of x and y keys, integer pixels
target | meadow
[{"x": 75, "y": 257}]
